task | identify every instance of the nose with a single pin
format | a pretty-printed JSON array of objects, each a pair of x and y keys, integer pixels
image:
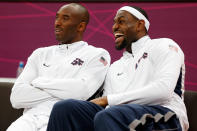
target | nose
[
  {"x": 57, "y": 22},
  {"x": 115, "y": 27}
]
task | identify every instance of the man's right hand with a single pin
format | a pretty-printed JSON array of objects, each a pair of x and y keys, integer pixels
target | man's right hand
[{"x": 101, "y": 101}]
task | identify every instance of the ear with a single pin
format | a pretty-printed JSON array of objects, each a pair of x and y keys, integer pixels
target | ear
[
  {"x": 141, "y": 25},
  {"x": 81, "y": 27}
]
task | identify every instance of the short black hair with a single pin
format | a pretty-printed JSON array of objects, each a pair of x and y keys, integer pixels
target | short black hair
[
  {"x": 85, "y": 14},
  {"x": 141, "y": 11}
]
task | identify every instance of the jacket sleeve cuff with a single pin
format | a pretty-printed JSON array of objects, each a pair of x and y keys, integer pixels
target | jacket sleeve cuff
[{"x": 114, "y": 99}]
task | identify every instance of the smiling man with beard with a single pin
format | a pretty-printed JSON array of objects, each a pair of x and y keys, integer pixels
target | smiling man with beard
[
  {"x": 72, "y": 69},
  {"x": 143, "y": 90}
]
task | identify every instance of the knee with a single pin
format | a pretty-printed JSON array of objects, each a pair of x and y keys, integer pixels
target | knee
[
  {"x": 98, "y": 118},
  {"x": 64, "y": 106},
  {"x": 101, "y": 117}
]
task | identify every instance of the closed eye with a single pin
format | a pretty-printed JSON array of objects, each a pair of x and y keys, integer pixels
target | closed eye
[{"x": 66, "y": 17}]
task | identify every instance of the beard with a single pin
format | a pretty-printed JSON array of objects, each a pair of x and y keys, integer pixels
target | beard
[{"x": 122, "y": 45}]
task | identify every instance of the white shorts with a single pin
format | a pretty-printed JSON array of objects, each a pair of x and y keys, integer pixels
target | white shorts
[{"x": 30, "y": 122}]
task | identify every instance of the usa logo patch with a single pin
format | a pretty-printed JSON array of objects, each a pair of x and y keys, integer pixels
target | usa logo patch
[
  {"x": 77, "y": 61},
  {"x": 102, "y": 60},
  {"x": 174, "y": 48}
]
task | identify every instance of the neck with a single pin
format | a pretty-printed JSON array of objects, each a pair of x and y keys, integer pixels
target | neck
[
  {"x": 71, "y": 41},
  {"x": 129, "y": 46}
]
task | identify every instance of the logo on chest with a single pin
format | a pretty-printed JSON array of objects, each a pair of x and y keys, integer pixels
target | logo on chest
[
  {"x": 144, "y": 56},
  {"x": 77, "y": 61},
  {"x": 46, "y": 65}
]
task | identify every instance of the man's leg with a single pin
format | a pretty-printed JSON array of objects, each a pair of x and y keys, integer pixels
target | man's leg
[
  {"x": 24, "y": 123},
  {"x": 130, "y": 117},
  {"x": 73, "y": 115}
]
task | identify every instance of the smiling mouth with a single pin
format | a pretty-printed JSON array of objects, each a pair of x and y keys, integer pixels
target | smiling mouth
[
  {"x": 58, "y": 30},
  {"x": 119, "y": 37}
]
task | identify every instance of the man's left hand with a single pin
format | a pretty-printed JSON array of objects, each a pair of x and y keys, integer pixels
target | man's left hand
[{"x": 102, "y": 101}]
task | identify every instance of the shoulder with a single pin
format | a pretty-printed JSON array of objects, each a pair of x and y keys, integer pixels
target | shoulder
[
  {"x": 116, "y": 64},
  {"x": 165, "y": 45},
  {"x": 42, "y": 50},
  {"x": 163, "y": 49},
  {"x": 93, "y": 49},
  {"x": 163, "y": 42},
  {"x": 93, "y": 52}
]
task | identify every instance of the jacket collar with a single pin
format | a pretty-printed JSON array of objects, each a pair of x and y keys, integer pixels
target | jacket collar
[
  {"x": 71, "y": 47},
  {"x": 137, "y": 46}
]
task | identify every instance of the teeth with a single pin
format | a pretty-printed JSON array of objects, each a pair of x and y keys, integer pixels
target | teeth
[
  {"x": 57, "y": 30},
  {"x": 118, "y": 34}
]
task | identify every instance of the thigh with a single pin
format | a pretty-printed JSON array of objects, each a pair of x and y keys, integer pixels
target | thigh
[
  {"x": 165, "y": 119},
  {"x": 157, "y": 118},
  {"x": 142, "y": 117},
  {"x": 23, "y": 123},
  {"x": 118, "y": 117},
  {"x": 75, "y": 108},
  {"x": 73, "y": 115}
]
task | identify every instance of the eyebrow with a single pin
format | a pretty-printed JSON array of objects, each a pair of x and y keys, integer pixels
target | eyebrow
[
  {"x": 64, "y": 15},
  {"x": 119, "y": 17}
]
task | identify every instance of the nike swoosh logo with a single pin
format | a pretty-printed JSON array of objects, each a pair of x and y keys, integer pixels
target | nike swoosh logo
[
  {"x": 46, "y": 65},
  {"x": 119, "y": 74}
]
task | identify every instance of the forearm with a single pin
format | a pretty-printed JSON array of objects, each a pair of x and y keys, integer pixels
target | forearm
[
  {"x": 150, "y": 95},
  {"x": 26, "y": 96},
  {"x": 77, "y": 88}
]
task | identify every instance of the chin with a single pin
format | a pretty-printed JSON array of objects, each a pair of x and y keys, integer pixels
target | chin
[
  {"x": 118, "y": 48},
  {"x": 58, "y": 39},
  {"x": 121, "y": 46}
]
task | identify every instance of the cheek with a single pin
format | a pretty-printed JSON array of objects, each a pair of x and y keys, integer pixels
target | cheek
[
  {"x": 70, "y": 32},
  {"x": 131, "y": 31},
  {"x": 70, "y": 28},
  {"x": 67, "y": 30}
]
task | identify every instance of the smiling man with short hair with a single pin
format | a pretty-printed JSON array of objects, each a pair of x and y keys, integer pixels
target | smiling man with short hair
[
  {"x": 72, "y": 69},
  {"x": 143, "y": 90}
]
